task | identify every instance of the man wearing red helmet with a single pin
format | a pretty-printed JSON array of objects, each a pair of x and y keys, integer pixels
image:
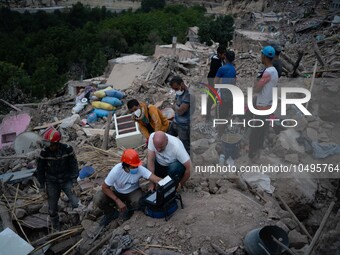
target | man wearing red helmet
[
  {"x": 120, "y": 189},
  {"x": 57, "y": 170}
]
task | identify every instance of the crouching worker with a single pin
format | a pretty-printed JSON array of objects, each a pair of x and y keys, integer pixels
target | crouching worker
[
  {"x": 57, "y": 170},
  {"x": 167, "y": 156},
  {"x": 120, "y": 192}
]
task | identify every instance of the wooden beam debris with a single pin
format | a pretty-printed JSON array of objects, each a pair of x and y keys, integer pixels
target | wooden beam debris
[
  {"x": 10, "y": 105},
  {"x": 294, "y": 216},
  {"x": 318, "y": 232}
]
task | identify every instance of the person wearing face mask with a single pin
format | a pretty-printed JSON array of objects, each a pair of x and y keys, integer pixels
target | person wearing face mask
[
  {"x": 149, "y": 117},
  {"x": 180, "y": 126},
  {"x": 120, "y": 193}
]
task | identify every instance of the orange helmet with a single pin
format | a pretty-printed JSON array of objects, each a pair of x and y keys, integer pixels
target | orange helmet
[
  {"x": 52, "y": 135},
  {"x": 131, "y": 157}
]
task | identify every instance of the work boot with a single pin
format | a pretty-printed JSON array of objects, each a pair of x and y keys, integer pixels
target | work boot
[
  {"x": 108, "y": 218},
  {"x": 55, "y": 223}
]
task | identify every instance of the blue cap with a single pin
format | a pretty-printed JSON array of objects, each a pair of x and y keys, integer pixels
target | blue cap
[{"x": 268, "y": 51}]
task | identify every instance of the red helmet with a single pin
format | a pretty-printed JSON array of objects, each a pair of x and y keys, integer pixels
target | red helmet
[
  {"x": 131, "y": 157},
  {"x": 52, "y": 135}
]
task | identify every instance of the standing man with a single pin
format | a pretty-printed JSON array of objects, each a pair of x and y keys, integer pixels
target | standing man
[
  {"x": 264, "y": 87},
  {"x": 57, "y": 171},
  {"x": 120, "y": 190},
  {"x": 226, "y": 75},
  {"x": 149, "y": 117},
  {"x": 167, "y": 156},
  {"x": 180, "y": 126},
  {"x": 217, "y": 61}
]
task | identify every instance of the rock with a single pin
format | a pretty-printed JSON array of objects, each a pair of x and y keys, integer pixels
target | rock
[
  {"x": 205, "y": 251},
  {"x": 150, "y": 224},
  {"x": 20, "y": 213},
  {"x": 32, "y": 209},
  {"x": 312, "y": 134},
  {"x": 181, "y": 234},
  {"x": 272, "y": 214},
  {"x": 301, "y": 251},
  {"x": 44, "y": 208},
  {"x": 292, "y": 158},
  {"x": 189, "y": 219},
  {"x": 291, "y": 224},
  {"x": 298, "y": 192},
  {"x": 127, "y": 227},
  {"x": 210, "y": 156},
  {"x": 280, "y": 224},
  {"x": 296, "y": 239},
  {"x": 200, "y": 146}
]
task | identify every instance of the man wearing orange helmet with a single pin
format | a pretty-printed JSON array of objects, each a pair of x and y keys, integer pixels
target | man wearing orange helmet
[
  {"x": 57, "y": 170},
  {"x": 120, "y": 190}
]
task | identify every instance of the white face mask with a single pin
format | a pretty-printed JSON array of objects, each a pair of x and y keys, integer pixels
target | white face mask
[
  {"x": 179, "y": 92},
  {"x": 137, "y": 113}
]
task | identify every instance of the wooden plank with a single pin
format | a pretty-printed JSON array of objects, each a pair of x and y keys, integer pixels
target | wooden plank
[
  {"x": 318, "y": 54},
  {"x": 106, "y": 133},
  {"x": 313, "y": 79},
  {"x": 10, "y": 105},
  {"x": 294, "y": 216},
  {"x": 95, "y": 131},
  {"x": 318, "y": 232},
  {"x": 48, "y": 125}
]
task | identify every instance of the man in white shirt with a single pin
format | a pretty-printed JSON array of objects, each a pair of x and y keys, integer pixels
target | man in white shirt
[
  {"x": 264, "y": 87},
  {"x": 120, "y": 189},
  {"x": 167, "y": 156}
]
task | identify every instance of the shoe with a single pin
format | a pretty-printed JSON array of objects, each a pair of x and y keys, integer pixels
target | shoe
[{"x": 108, "y": 218}]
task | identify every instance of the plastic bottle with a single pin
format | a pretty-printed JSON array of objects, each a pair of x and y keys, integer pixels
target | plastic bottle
[{"x": 221, "y": 160}]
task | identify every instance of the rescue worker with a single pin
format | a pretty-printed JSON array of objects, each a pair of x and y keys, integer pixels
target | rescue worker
[
  {"x": 217, "y": 61},
  {"x": 184, "y": 106},
  {"x": 149, "y": 117},
  {"x": 120, "y": 191},
  {"x": 57, "y": 170},
  {"x": 167, "y": 156}
]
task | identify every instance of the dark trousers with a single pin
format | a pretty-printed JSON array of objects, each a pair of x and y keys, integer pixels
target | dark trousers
[
  {"x": 107, "y": 205},
  {"x": 175, "y": 170},
  {"x": 257, "y": 135},
  {"x": 183, "y": 133},
  {"x": 53, "y": 192}
]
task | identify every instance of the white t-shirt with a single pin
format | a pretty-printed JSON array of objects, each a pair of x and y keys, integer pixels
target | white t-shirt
[
  {"x": 265, "y": 97},
  {"x": 125, "y": 182},
  {"x": 173, "y": 151}
]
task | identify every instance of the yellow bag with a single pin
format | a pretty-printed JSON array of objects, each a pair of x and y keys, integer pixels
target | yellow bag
[
  {"x": 102, "y": 105},
  {"x": 101, "y": 93}
]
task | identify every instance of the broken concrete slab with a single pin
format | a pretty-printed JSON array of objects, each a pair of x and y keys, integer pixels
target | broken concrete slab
[{"x": 14, "y": 177}]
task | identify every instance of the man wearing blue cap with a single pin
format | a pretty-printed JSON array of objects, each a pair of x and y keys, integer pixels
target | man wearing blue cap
[{"x": 263, "y": 87}]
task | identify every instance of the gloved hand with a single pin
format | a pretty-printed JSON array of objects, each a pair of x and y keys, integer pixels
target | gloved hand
[{"x": 43, "y": 193}]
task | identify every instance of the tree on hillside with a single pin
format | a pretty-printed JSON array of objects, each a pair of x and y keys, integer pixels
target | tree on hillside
[
  {"x": 46, "y": 80},
  {"x": 14, "y": 82},
  {"x": 220, "y": 30},
  {"x": 149, "y": 5}
]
